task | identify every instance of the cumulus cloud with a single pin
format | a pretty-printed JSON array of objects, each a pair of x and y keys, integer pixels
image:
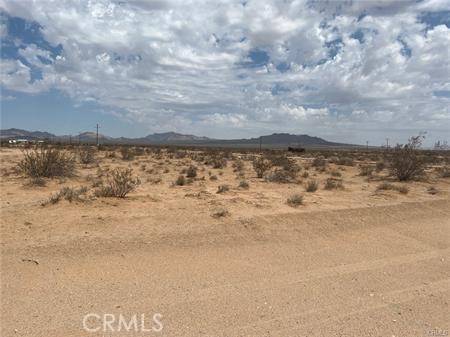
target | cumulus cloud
[{"x": 317, "y": 67}]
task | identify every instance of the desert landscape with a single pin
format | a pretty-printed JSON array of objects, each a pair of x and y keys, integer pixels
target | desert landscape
[{"x": 223, "y": 242}]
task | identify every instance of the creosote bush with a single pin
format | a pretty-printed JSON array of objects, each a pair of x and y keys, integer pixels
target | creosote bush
[
  {"x": 405, "y": 161},
  {"x": 87, "y": 155},
  {"x": 261, "y": 166},
  {"x": 127, "y": 153},
  {"x": 191, "y": 172},
  {"x": 119, "y": 182},
  {"x": 47, "y": 163}
]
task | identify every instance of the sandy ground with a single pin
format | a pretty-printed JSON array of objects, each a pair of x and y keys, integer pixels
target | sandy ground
[{"x": 351, "y": 262}]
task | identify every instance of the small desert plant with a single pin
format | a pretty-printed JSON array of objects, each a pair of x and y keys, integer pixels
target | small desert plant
[
  {"x": 333, "y": 184},
  {"x": 335, "y": 173},
  {"x": 305, "y": 174},
  {"x": 219, "y": 162},
  {"x": 238, "y": 166},
  {"x": 87, "y": 155},
  {"x": 319, "y": 162},
  {"x": 366, "y": 170},
  {"x": 405, "y": 162},
  {"x": 67, "y": 193},
  {"x": 345, "y": 161},
  {"x": 432, "y": 190},
  {"x": 119, "y": 183},
  {"x": 312, "y": 185},
  {"x": 48, "y": 163},
  {"x": 244, "y": 184},
  {"x": 281, "y": 176},
  {"x": 392, "y": 187},
  {"x": 444, "y": 172},
  {"x": 191, "y": 172},
  {"x": 261, "y": 166},
  {"x": 219, "y": 213},
  {"x": 213, "y": 177},
  {"x": 295, "y": 200},
  {"x": 127, "y": 153},
  {"x": 223, "y": 188},
  {"x": 380, "y": 166},
  {"x": 181, "y": 181}
]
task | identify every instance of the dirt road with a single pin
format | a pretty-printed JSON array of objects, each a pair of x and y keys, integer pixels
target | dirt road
[{"x": 380, "y": 271}]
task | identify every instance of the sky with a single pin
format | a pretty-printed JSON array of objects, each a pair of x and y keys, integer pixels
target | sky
[{"x": 348, "y": 71}]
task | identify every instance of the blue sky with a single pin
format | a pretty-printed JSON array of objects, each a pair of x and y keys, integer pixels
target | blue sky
[{"x": 344, "y": 71}]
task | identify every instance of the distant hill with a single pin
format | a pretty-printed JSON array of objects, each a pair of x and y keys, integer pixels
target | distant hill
[
  {"x": 276, "y": 140},
  {"x": 24, "y": 134}
]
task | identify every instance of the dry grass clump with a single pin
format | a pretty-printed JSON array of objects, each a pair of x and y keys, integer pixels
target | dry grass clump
[
  {"x": 67, "y": 193},
  {"x": 86, "y": 155},
  {"x": 333, "y": 184},
  {"x": 261, "y": 165},
  {"x": 282, "y": 176},
  {"x": 335, "y": 173},
  {"x": 295, "y": 200},
  {"x": 47, "y": 163},
  {"x": 223, "y": 188},
  {"x": 119, "y": 183},
  {"x": 391, "y": 187},
  {"x": 380, "y": 166},
  {"x": 312, "y": 185},
  {"x": 406, "y": 162}
]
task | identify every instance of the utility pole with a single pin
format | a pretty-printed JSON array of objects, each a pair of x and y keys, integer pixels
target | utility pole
[
  {"x": 387, "y": 143},
  {"x": 367, "y": 144},
  {"x": 97, "y": 136},
  {"x": 260, "y": 143}
]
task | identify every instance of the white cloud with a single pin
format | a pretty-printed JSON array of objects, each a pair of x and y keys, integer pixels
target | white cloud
[{"x": 181, "y": 64}]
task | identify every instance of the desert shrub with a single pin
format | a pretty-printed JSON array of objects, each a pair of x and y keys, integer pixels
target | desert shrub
[
  {"x": 345, "y": 161},
  {"x": 219, "y": 163},
  {"x": 110, "y": 154},
  {"x": 191, "y": 172},
  {"x": 127, "y": 153},
  {"x": 219, "y": 213},
  {"x": 295, "y": 200},
  {"x": 319, "y": 162},
  {"x": 444, "y": 172},
  {"x": 223, "y": 188},
  {"x": 244, "y": 184},
  {"x": 67, "y": 193},
  {"x": 181, "y": 181},
  {"x": 213, "y": 177},
  {"x": 392, "y": 187},
  {"x": 336, "y": 173},
  {"x": 48, "y": 163},
  {"x": 366, "y": 170},
  {"x": 432, "y": 190},
  {"x": 119, "y": 183},
  {"x": 312, "y": 185},
  {"x": 305, "y": 174},
  {"x": 333, "y": 184},
  {"x": 238, "y": 165},
  {"x": 38, "y": 181},
  {"x": 261, "y": 166},
  {"x": 380, "y": 166},
  {"x": 405, "y": 161},
  {"x": 280, "y": 176},
  {"x": 139, "y": 151},
  {"x": 87, "y": 155}
]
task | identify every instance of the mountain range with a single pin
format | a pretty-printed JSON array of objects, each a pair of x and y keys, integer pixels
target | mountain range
[{"x": 273, "y": 140}]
